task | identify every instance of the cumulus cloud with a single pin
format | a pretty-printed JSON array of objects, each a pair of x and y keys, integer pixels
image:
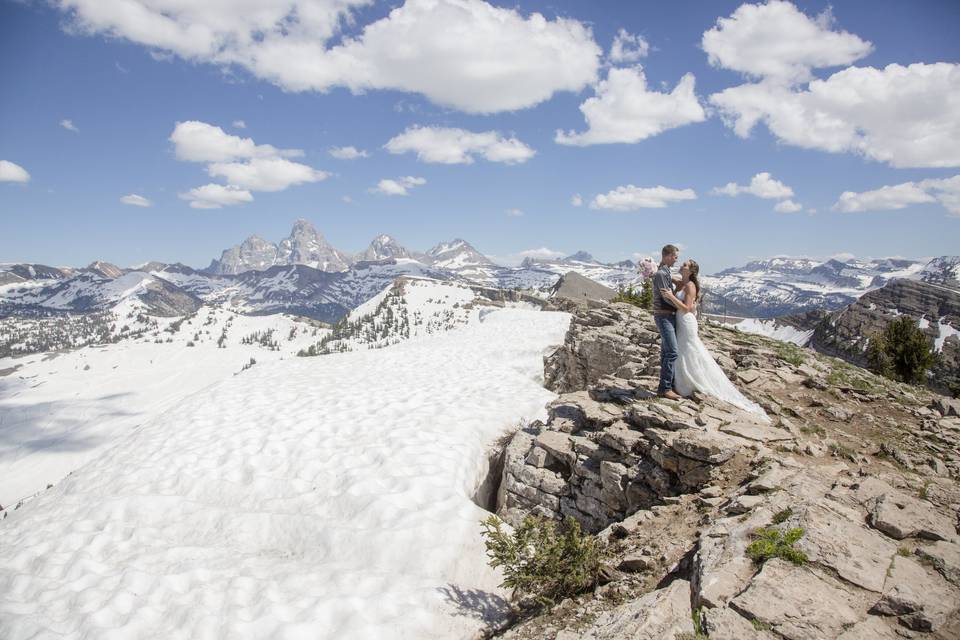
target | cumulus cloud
[
  {"x": 458, "y": 146},
  {"x": 196, "y": 141},
  {"x": 245, "y": 165},
  {"x": 266, "y": 174},
  {"x": 761, "y": 186},
  {"x": 625, "y": 110},
  {"x": 514, "y": 259},
  {"x": 466, "y": 54},
  {"x": 946, "y": 191},
  {"x": 514, "y": 213},
  {"x": 903, "y": 116},
  {"x": 239, "y": 124},
  {"x": 136, "y": 201},
  {"x": 348, "y": 153},
  {"x": 215, "y": 196},
  {"x": 69, "y": 126},
  {"x": 900, "y": 115},
  {"x": 398, "y": 186},
  {"x": 576, "y": 200},
  {"x": 631, "y": 198},
  {"x": 788, "y": 206},
  {"x": 776, "y": 40},
  {"x": 12, "y": 172},
  {"x": 628, "y": 48}
]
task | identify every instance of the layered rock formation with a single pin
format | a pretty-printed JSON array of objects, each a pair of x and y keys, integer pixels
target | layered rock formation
[{"x": 864, "y": 468}]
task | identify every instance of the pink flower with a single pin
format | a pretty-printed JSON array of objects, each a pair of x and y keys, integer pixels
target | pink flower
[{"x": 647, "y": 267}]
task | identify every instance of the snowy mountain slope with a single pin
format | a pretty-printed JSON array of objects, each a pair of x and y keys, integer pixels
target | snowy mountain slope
[
  {"x": 383, "y": 247},
  {"x": 92, "y": 291},
  {"x": 410, "y": 308},
  {"x": 944, "y": 271},
  {"x": 622, "y": 274},
  {"x": 313, "y": 497},
  {"x": 59, "y": 410},
  {"x": 781, "y": 286}
]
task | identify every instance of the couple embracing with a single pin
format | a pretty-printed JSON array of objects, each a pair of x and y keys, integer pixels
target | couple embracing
[{"x": 685, "y": 363}]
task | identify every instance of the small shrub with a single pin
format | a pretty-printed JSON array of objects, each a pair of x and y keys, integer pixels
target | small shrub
[
  {"x": 791, "y": 353},
  {"x": 760, "y": 625},
  {"x": 901, "y": 352},
  {"x": 642, "y": 299},
  {"x": 773, "y": 543},
  {"x": 781, "y": 516},
  {"x": 543, "y": 561}
]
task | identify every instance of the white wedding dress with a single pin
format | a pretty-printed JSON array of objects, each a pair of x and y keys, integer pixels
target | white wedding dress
[{"x": 696, "y": 370}]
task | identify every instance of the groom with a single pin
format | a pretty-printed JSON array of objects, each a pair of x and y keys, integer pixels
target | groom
[{"x": 665, "y": 315}]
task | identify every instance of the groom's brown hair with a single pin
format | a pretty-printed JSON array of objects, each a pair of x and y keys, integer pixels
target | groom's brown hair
[{"x": 668, "y": 249}]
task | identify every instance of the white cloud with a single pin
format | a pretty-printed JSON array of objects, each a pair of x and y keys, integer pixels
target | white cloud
[
  {"x": 576, "y": 200},
  {"x": 465, "y": 54},
  {"x": 627, "y": 48},
  {"x": 243, "y": 164},
  {"x": 12, "y": 172},
  {"x": 347, "y": 199},
  {"x": 458, "y": 146},
  {"x": 67, "y": 124},
  {"x": 215, "y": 196},
  {"x": 761, "y": 186},
  {"x": 777, "y": 41},
  {"x": 514, "y": 259},
  {"x": 631, "y": 198},
  {"x": 787, "y": 206},
  {"x": 398, "y": 187},
  {"x": 514, "y": 213},
  {"x": 624, "y": 110},
  {"x": 135, "y": 200},
  {"x": 904, "y": 116},
  {"x": 946, "y": 191},
  {"x": 901, "y": 115},
  {"x": 239, "y": 124},
  {"x": 348, "y": 153},
  {"x": 196, "y": 141},
  {"x": 266, "y": 174}
]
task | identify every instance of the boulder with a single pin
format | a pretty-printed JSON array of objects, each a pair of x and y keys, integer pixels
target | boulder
[
  {"x": 900, "y": 516},
  {"x": 945, "y": 558},
  {"x": 726, "y": 624}
]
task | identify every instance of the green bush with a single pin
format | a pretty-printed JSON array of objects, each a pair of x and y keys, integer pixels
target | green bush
[
  {"x": 543, "y": 561},
  {"x": 901, "y": 352},
  {"x": 642, "y": 299},
  {"x": 774, "y": 543}
]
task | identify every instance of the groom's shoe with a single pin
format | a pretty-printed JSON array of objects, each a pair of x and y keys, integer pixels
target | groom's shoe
[{"x": 670, "y": 395}]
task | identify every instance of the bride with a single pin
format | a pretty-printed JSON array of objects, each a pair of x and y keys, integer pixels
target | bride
[{"x": 696, "y": 370}]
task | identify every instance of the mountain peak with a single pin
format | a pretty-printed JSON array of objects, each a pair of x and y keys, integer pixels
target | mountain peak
[
  {"x": 456, "y": 254},
  {"x": 580, "y": 256},
  {"x": 384, "y": 247}
]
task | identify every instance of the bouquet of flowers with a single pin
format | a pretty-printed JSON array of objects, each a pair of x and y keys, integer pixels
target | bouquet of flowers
[{"x": 647, "y": 267}]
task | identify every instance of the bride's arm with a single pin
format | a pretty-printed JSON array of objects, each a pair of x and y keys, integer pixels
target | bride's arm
[{"x": 690, "y": 295}]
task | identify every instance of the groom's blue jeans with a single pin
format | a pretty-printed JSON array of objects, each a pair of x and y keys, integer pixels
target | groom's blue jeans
[{"x": 667, "y": 326}]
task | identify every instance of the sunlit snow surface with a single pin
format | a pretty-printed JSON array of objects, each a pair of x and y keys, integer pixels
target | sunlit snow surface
[
  {"x": 325, "y": 497},
  {"x": 773, "y": 329}
]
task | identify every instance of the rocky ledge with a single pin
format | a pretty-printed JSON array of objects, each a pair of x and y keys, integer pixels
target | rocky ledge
[{"x": 865, "y": 469}]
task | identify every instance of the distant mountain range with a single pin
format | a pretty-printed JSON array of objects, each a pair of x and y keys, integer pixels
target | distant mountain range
[{"x": 304, "y": 274}]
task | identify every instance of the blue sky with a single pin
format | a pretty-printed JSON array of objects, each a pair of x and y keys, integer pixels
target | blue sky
[{"x": 895, "y": 150}]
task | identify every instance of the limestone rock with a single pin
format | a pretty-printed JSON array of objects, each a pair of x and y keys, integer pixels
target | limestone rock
[
  {"x": 945, "y": 557},
  {"x": 726, "y": 624},
  {"x": 900, "y": 516},
  {"x": 923, "y": 601},
  {"x": 660, "y": 614},
  {"x": 797, "y": 602}
]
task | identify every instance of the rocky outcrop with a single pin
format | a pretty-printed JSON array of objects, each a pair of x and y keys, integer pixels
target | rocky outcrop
[
  {"x": 865, "y": 469},
  {"x": 574, "y": 286},
  {"x": 935, "y": 307}
]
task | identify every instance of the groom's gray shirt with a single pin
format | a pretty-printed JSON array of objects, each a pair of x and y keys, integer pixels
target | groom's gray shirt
[{"x": 662, "y": 280}]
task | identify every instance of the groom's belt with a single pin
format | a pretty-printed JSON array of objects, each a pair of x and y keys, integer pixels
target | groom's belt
[{"x": 664, "y": 312}]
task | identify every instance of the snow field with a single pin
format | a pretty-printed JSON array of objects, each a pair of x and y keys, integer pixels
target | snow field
[
  {"x": 58, "y": 411},
  {"x": 775, "y": 330},
  {"x": 325, "y": 497}
]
